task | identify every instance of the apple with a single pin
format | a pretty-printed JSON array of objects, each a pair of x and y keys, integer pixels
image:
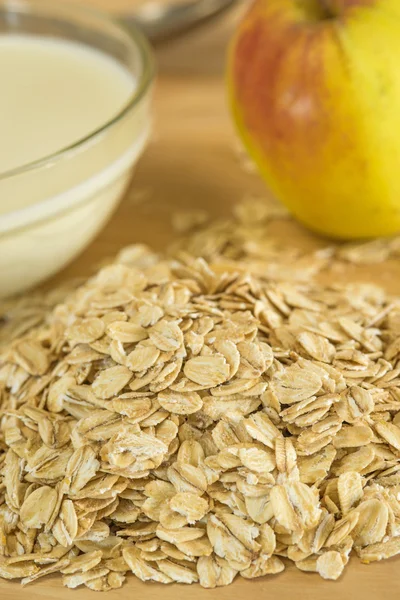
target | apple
[{"x": 315, "y": 91}]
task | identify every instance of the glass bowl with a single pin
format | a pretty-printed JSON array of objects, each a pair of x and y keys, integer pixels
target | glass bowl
[{"x": 42, "y": 233}]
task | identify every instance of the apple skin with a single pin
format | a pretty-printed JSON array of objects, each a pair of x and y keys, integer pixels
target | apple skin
[{"x": 314, "y": 87}]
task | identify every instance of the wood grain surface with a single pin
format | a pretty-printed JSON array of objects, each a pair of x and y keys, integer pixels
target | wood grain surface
[{"x": 192, "y": 162}]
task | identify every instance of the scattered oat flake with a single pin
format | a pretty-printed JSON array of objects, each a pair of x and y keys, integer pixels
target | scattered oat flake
[
  {"x": 111, "y": 381},
  {"x": 184, "y": 403},
  {"x": 85, "y": 331},
  {"x": 207, "y": 371},
  {"x": 166, "y": 335},
  {"x": 330, "y": 565}
]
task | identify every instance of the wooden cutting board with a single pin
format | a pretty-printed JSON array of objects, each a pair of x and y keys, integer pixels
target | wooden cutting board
[{"x": 192, "y": 162}]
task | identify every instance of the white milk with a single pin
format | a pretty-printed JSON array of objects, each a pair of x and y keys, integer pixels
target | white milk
[{"x": 53, "y": 94}]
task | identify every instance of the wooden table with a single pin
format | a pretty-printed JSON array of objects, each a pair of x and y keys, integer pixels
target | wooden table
[{"x": 192, "y": 162}]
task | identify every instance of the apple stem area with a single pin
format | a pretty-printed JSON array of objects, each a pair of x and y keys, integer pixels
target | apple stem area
[
  {"x": 320, "y": 10},
  {"x": 328, "y": 9}
]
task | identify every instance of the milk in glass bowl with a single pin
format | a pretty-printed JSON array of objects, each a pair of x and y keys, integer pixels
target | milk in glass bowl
[{"x": 74, "y": 119}]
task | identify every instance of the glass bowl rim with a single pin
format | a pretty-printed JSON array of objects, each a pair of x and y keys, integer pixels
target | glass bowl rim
[{"x": 134, "y": 37}]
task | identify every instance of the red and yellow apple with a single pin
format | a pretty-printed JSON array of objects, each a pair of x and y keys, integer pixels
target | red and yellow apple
[{"x": 315, "y": 91}]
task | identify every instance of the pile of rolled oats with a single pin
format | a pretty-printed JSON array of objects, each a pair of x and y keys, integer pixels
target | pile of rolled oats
[{"x": 188, "y": 421}]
